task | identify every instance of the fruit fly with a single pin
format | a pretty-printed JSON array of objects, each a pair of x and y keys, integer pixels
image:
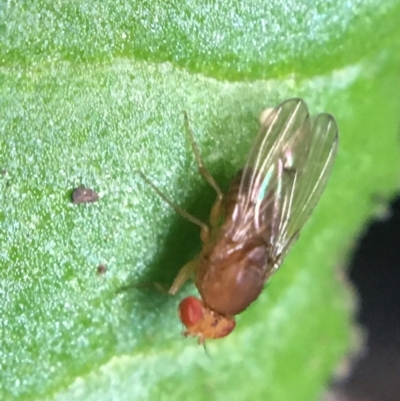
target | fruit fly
[{"x": 254, "y": 225}]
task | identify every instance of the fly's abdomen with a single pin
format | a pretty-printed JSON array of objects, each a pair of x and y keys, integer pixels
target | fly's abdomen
[{"x": 229, "y": 283}]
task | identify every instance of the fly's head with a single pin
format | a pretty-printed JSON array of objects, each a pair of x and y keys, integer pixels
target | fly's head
[{"x": 202, "y": 322}]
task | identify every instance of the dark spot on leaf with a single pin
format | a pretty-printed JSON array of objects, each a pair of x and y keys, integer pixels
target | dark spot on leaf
[
  {"x": 101, "y": 269},
  {"x": 84, "y": 195}
]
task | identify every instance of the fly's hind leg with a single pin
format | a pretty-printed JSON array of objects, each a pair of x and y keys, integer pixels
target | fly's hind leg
[{"x": 217, "y": 207}]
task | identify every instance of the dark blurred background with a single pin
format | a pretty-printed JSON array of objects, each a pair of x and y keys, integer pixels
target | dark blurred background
[{"x": 375, "y": 272}]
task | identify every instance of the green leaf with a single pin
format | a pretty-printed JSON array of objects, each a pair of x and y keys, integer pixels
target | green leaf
[{"x": 92, "y": 91}]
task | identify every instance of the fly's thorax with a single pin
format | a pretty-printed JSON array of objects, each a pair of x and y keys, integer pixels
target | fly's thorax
[{"x": 231, "y": 276}]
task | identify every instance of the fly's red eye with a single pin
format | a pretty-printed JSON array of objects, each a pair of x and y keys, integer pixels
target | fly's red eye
[{"x": 190, "y": 311}]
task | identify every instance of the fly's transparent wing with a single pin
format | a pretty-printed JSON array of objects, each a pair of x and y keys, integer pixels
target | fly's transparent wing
[
  {"x": 284, "y": 176},
  {"x": 314, "y": 176}
]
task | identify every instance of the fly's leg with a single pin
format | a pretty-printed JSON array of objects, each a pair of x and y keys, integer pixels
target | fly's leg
[
  {"x": 204, "y": 229},
  {"x": 217, "y": 207},
  {"x": 190, "y": 268},
  {"x": 184, "y": 274},
  {"x": 147, "y": 286},
  {"x": 216, "y": 212}
]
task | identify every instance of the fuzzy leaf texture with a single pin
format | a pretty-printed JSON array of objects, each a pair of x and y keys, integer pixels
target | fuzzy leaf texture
[{"x": 90, "y": 92}]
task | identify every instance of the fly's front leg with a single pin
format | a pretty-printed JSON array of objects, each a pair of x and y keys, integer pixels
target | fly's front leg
[
  {"x": 217, "y": 207},
  {"x": 183, "y": 275}
]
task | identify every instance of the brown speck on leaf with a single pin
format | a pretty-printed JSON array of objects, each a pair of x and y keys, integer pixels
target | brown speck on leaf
[
  {"x": 101, "y": 269},
  {"x": 5, "y": 177},
  {"x": 84, "y": 195}
]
